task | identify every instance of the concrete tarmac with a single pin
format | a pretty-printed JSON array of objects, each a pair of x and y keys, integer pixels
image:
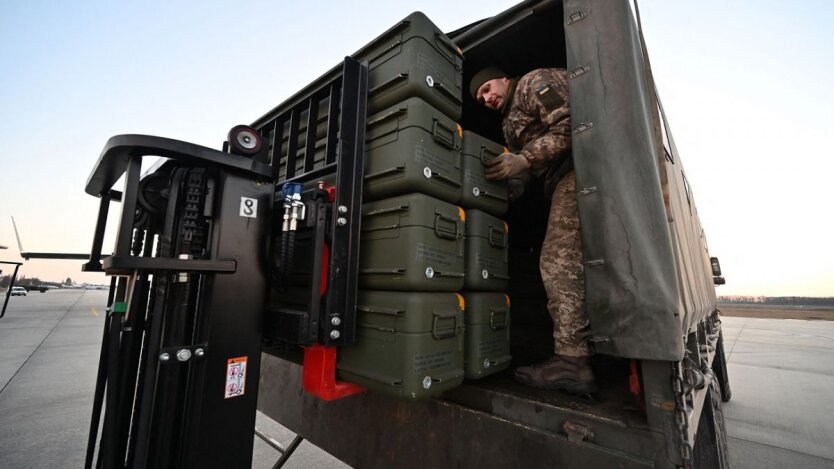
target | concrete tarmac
[{"x": 782, "y": 375}]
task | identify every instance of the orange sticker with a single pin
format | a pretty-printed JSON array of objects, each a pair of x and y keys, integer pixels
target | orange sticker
[
  {"x": 462, "y": 214},
  {"x": 507, "y": 297},
  {"x": 461, "y": 302}
]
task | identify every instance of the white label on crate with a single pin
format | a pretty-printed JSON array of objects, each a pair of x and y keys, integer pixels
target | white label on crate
[
  {"x": 235, "y": 377},
  {"x": 248, "y": 207}
]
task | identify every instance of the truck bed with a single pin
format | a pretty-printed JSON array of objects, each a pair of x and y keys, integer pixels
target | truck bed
[{"x": 493, "y": 422}]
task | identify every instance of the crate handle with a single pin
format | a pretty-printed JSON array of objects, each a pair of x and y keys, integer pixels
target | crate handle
[
  {"x": 487, "y": 155},
  {"x": 374, "y": 309},
  {"x": 444, "y": 232},
  {"x": 385, "y": 172},
  {"x": 383, "y": 211},
  {"x": 446, "y": 334},
  {"x": 450, "y": 46},
  {"x": 387, "y": 116},
  {"x": 446, "y": 179},
  {"x": 443, "y": 134},
  {"x": 493, "y": 324},
  {"x": 485, "y": 193},
  {"x": 498, "y": 240},
  {"x": 437, "y": 273},
  {"x": 388, "y": 84},
  {"x": 399, "y": 271},
  {"x": 447, "y": 93}
]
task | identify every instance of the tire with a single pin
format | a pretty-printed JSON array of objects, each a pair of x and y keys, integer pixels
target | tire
[
  {"x": 710, "y": 449},
  {"x": 719, "y": 367}
]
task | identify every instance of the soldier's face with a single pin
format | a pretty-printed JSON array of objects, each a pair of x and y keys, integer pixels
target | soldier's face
[{"x": 493, "y": 93}]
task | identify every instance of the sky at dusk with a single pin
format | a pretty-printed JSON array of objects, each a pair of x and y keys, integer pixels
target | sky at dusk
[{"x": 746, "y": 86}]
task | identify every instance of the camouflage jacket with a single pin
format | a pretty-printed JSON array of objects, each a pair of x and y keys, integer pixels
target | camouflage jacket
[{"x": 536, "y": 120}]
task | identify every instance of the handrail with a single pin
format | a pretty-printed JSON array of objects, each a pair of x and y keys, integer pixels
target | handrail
[{"x": 113, "y": 161}]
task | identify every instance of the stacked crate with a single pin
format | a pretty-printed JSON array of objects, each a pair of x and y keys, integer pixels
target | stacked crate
[
  {"x": 487, "y": 269},
  {"x": 409, "y": 322},
  {"x": 410, "y": 325},
  {"x": 415, "y": 259}
]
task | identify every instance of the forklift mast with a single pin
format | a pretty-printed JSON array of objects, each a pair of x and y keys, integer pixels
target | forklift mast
[{"x": 201, "y": 241}]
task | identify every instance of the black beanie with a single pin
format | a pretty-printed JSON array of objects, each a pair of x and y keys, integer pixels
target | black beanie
[{"x": 483, "y": 76}]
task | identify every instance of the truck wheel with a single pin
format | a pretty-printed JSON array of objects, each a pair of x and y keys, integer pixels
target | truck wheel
[
  {"x": 710, "y": 450},
  {"x": 719, "y": 367}
]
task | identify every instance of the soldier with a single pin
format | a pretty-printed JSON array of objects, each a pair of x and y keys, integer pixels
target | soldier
[{"x": 537, "y": 129}]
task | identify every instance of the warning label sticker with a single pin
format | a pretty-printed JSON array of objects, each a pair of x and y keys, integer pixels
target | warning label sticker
[{"x": 235, "y": 377}]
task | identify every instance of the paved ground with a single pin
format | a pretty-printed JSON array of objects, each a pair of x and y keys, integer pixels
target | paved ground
[{"x": 782, "y": 374}]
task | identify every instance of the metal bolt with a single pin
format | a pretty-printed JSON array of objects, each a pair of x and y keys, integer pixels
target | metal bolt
[
  {"x": 486, "y": 363},
  {"x": 427, "y": 172},
  {"x": 341, "y": 221},
  {"x": 183, "y": 355},
  {"x": 476, "y": 191},
  {"x": 164, "y": 357},
  {"x": 485, "y": 274},
  {"x": 335, "y": 320},
  {"x": 430, "y": 81},
  {"x": 335, "y": 334},
  {"x": 427, "y": 382},
  {"x": 429, "y": 272},
  {"x": 199, "y": 352},
  {"x": 342, "y": 209}
]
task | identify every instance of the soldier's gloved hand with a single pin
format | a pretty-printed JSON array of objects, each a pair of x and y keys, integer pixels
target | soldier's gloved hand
[{"x": 506, "y": 165}]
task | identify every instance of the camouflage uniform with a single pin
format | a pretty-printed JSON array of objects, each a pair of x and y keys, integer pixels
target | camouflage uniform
[{"x": 537, "y": 126}]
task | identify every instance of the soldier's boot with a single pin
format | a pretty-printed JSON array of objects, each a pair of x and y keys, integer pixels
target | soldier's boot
[{"x": 564, "y": 373}]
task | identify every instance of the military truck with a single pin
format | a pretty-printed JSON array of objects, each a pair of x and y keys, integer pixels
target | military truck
[{"x": 203, "y": 278}]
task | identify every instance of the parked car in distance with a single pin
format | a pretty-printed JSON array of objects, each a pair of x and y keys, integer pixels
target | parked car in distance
[{"x": 19, "y": 291}]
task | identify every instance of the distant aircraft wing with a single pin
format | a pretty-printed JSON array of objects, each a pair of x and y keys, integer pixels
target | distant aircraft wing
[{"x": 46, "y": 255}]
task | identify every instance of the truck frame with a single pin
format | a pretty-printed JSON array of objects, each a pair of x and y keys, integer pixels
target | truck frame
[{"x": 182, "y": 371}]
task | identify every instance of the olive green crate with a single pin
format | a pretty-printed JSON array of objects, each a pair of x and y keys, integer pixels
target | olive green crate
[
  {"x": 487, "y": 252},
  {"x": 411, "y": 59},
  {"x": 408, "y": 344},
  {"x": 478, "y": 192},
  {"x": 411, "y": 242},
  {"x": 414, "y": 58},
  {"x": 412, "y": 147},
  {"x": 487, "y": 342}
]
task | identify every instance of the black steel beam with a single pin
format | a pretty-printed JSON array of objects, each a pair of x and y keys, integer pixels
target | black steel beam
[
  {"x": 94, "y": 260},
  {"x": 310, "y": 137},
  {"x": 292, "y": 141},
  {"x": 125, "y": 265},
  {"x": 340, "y": 320}
]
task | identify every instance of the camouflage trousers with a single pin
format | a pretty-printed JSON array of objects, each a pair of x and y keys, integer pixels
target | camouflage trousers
[{"x": 563, "y": 273}]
